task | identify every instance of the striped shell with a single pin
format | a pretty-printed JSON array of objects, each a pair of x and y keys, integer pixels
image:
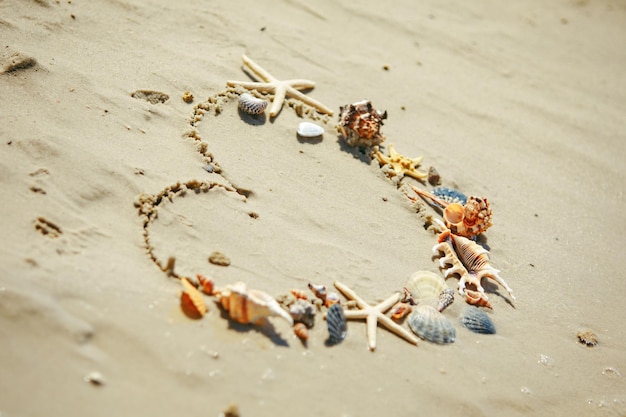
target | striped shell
[
  {"x": 251, "y": 105},
  {"x": 431, "y": 325},
  {"x": 249, "y": 306},
  {"x": 336, "y": 322},
  {"x": 300, "y": 330},
  {"x": 191, "y": 300},
  {"x": 476, "y": 320},
  {"x": 425, "y": 286},
  {"x": 309, "y": 130}
]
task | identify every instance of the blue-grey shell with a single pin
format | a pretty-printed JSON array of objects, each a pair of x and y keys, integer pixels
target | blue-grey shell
[
  {"x": 302, "y": 311},
  {"x": 336, "y": 322},
  {"x": 450, "y": 195},
  {"x": 431, "y": 325},
  {"x": 477, "y": 320},
  {"x": 250, "y": 104}
]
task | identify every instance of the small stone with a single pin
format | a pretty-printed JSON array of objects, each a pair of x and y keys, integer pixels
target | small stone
[
  {"x": 218, "y": 258},
  {"x": 588, "y": 338},
  {"x": 187, "y": 97},
  {"x": 433, "y": 176},
  {"x": 94, "y": 378}
]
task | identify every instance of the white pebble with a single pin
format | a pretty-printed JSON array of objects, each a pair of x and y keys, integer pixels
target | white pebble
[{"x": 310, "y": 130}]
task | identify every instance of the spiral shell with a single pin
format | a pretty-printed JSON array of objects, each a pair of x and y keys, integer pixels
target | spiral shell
[
  {"x": 468, "y": 220},
  {"x": 206, "y": 284},
  {"x": 299, "y": 294},
  {"x": 303, "y": 311},
  {"x": 249, "y": 306},
  {"x": 302, "y": 331},
  {"x": 425, "y": 286},
  {"x": 336, "y": 322},
  {"x": 431, "y": 325},
  {"x": 477, "y": 321},
  {"x": 446, "y": 297},
  {"x": 318, "y": 290},
  {"x": 251, "y": 105},
  {"x": 360, "y": 122}
]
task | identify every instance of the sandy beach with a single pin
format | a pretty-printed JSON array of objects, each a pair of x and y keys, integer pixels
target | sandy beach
[{"x": 522, "y": 103}]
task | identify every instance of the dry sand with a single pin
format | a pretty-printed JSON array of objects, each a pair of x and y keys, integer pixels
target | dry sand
[{"x": 521, "y": 102}]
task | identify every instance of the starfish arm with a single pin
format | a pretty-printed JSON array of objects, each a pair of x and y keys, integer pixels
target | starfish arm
[
  {"x": 257, "y": 69},
  {"x": 416, "y": 174},
  {"x": 292, "y": 92},
  {"x": 372, "y": 323},
  {"x": 355, "y": 314},
  {"x": 400, "y": 331},
  {"x": 300, "y": 84},
  {"x": 389, "y": 302},
  {"x": 417, "y": 161},
  {"x": 249, "y": 85},
  {"x": 351, "y": 295},
  {"x": 279, "y": 98}
]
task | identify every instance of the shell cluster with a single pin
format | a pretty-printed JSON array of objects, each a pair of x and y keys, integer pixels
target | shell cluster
[
  {"x": 469, "y": 219},
  {"x": 360, "y": 122}
]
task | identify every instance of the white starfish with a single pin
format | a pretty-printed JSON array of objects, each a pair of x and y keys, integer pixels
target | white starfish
[
  {"x": 374, "y": 315},
  {"x": 280, "y": 89}
]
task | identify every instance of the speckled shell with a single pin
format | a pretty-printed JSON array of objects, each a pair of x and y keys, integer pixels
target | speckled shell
[
  {"x": 468, "y": 220},
  {"x": 309, "y": 130},
  {"x": 446, "y": 297},
  {"x": 336, "y": 322},
  {"x": 450, "y": 195},
  {"x": 302, "y": 311},
  {"x": 249, "y": 306},
  {"x": 251, "y": 105},
  {"x": 425, "y": 286},
  {"x": 360, "y": 122},
  {"x": 477, "y": 320},
  {"x": 431, "y": 325}
]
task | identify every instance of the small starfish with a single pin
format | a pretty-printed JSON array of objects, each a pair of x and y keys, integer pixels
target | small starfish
[
  {"x": 278, "y": 88},
  {"x": 374, "y": 315},
  {"x": 400, "y": 164}
]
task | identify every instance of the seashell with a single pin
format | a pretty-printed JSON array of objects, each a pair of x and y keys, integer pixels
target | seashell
[
  {"x": 449, "y": 195},
  {"x": 332, "y": 298},
  {"x": 469, "y": 220},
  {"x": 446, "y": 297},
  {"x": 301, "y": 331},
  {"x": 336, "y": 322},
  {"x": 587, "y": 337},
  {"x": 206, "y": 284},
  {"x": 433, "y": 176},
  {"x": 299, "y": 294},
  {"x": 249, "y": 306},
  {"x": 191, "y": 300},
  {"x": 251, "y": 105},
  {"x": 425, "y": 286},
  {"x": 359, "y": 124},
  {"x": 477, "y": 298},
  {"x": 319, "y": 291},
  {"x": 470, "y": 261},
  {"x": 431, "y": 325},
  {"x": 477, "y": 321},
  {"x": 309, "y": 130},
  {"x": 303, "y": 311},
  {"x": 401, "y": 310}
]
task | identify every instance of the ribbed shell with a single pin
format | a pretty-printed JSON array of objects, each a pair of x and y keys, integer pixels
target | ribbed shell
[
  {"x": 251, "y": 105},
  {"x": 477, "y": 321},
  {"x": 431, "y": 325},
  {"x": 450, "y": 195},
  {"x": 336, "y": 322},
  {"x": 425, "y": 286}
]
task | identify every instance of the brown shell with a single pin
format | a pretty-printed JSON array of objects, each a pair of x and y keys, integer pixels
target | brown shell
[
  {"x": 191, "y": 300},
  {"x": 248, "y": 305},
  {"x": 301, "y": 331},
  {"x": 206, "y": 284},
  {"x": 299, "y": 294},
  {"x": 360, "y": 122},
  {"x": 469, "y": 220}
]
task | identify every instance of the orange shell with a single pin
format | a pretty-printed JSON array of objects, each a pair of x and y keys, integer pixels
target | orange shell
[
  {"x": 400, "y": 310},
  {"x": 301, "y": 331},
  {"x": 206, "y": 284},
  {"x": 331, "y": 298},
  {"x": 476, "y": 298},
  {"x": 248, "y": 305},
  {"x": 191, "y": 300},
  {"x": 469, "y": 220},
  {"x": 299, "y": 294}
]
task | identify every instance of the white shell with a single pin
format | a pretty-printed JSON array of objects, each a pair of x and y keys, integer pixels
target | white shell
[
  {"x": 431, "y": 325},
  {"x": 309, "y": 130},
  {"x": 425, "y": 285}
]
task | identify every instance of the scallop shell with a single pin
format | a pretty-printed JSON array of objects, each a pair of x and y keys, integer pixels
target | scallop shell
[
  {"x": 309, "y": 130},
  {"x": 251, "y": 105},
  {"x": 191, "y": 300},
  {"x": 303, "y": 311},
  {"x": 477, "y": 321},
  {"x": 249, "y": 306},
  {"x": 336, "y": 322},
  {"x": 431, "y": 325},
  {"x": 425, "y": 285}
]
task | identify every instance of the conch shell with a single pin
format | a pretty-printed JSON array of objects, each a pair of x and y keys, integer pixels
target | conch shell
[
  {"x": 470, "y": 261},
  {"x": 249, "y": 306}
]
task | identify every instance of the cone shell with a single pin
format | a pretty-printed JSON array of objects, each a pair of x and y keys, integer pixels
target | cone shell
[
  {"x": 425, "y": 285},
  {"x": 446, "y": 297},
  {"x": 206, "y": 284},
  {"x": 250, "y": 306},
  {"x": 191, "y": 300},
  {"x": 300, "y": 330},
  {"x": 431, "y": 325},
  {"x": 336, "y": 322},
  {"x": 477, "y": 320}
]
